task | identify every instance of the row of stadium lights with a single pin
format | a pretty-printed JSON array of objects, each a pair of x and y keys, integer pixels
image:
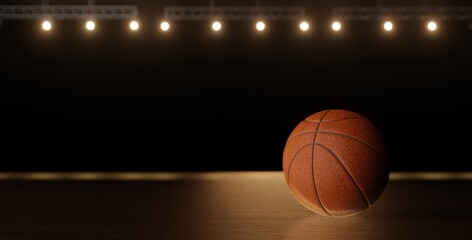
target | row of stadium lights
[
  {"x": 165, "y": 26},
  {"x": 217, "y": 26}
]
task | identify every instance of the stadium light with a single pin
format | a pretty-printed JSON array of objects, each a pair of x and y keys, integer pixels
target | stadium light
[
  {"x": 388, "y": 26},
  {"x": 260, "y": 26},
  {"x": 304, "y": 26},
  {"x": 46, "y": 25},
  {"x": 336, "y": 26},
  {"x": 165, "y": 26},
  {"x": 134, "y": 25},
  {"x": 432, "y": 26},
  {"x": 90, "y": 25},
  {"x": 216, "y": 26}
]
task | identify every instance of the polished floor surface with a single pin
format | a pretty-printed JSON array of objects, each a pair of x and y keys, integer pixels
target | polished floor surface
[{"x": 225, "y": 205}]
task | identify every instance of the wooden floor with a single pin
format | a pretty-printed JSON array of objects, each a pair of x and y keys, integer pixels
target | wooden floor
[{"x": 224, "y": 206}]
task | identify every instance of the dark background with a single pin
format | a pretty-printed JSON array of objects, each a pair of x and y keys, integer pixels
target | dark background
[{"x": 192, "y": 100}]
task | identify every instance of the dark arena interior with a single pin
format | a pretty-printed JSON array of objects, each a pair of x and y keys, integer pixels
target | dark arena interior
[{"x": 118, "y": 130}]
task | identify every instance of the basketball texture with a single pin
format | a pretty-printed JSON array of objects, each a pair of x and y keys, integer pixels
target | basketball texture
[{"x": 334, "y": 163}]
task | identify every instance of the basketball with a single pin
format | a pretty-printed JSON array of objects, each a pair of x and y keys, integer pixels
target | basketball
[{"x": 335, "y": 163}]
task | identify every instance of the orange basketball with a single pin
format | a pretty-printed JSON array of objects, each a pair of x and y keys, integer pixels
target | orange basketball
[{"x": 334, "y": 163}]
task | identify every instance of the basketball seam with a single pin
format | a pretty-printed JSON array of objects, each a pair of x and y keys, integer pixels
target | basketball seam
[
  {"x": 335, "y": 120},
  {"x": 354, "y": 138},
  {"x": 293, "y": 160},
  {"x": 301, "y": 134},
  {"x": 313, "y": 163},
  {"x": 347, "y": 172}
]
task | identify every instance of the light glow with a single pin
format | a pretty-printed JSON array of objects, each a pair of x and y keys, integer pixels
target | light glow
[
  {"x": 90, "y": 25},
  {"x": 134, "y": 25},
  {"x": 46, "y": 25},
  {"x": 388, "y": 26},
  {"x": 432, "y": 26},
  {"x": 260, "y": 26},
  {"x": 165, "y": 26},
  {"x": 216, "y": 26},
  {"x": 304, "y": 26},
  {"x": 336, "y": 26}
]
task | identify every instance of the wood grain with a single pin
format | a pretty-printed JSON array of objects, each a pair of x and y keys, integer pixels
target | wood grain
[{"x": 242, "y": 206}]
